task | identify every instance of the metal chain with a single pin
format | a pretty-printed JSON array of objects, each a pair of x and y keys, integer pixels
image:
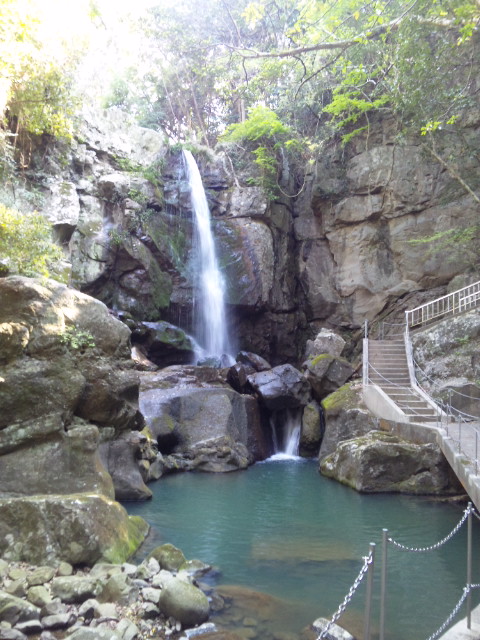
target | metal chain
[
  {"x": 367, "y": 561},
  {"x": 466, "y": 590},
  {"x": 438, "y": 544}
]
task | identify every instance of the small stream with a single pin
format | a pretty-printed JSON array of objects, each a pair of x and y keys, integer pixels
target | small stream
[{"x": 289, "y": 543}]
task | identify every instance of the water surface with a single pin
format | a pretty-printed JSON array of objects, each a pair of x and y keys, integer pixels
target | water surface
[{"x": 283, "y": 530}]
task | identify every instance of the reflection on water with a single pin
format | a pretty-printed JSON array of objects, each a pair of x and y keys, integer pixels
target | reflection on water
[{"x": 288, "y": 543}]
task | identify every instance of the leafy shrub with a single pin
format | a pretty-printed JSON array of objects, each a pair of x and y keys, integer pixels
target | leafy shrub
[
  {"x": 26, "y": 245},
  {"x": 77, "y": 339}
]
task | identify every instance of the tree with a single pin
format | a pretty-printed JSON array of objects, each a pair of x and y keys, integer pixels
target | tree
[{"x": 26, "y": 245}]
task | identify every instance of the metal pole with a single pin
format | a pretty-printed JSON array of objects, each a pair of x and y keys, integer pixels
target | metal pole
[
  {"x": 383, "y": 585},
  {"x": 476, "y": 451},
  {"x": 368, "y": 598},
  {"x": 469, "y": 566}
]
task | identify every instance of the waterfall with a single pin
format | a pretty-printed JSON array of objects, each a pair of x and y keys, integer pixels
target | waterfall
[
  {"x": 286, "y": 427},
  {"x": 211, "y": 323}
]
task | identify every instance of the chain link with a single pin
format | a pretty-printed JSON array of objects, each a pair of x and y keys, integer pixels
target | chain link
[
  {"x": 367, "y": 561},
  {"x": 438, "y": 544},
  {"x": 466, "y": 590}
]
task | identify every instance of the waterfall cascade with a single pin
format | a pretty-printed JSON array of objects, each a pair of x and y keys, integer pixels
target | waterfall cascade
[
  {"x": 286, "y": 427},
  {"x": 210, "y": 322}
]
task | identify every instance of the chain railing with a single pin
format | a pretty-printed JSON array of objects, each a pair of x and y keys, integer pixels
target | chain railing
[
  {"x": 367, "y": 564},
  {"x": 367, "y": 569}
]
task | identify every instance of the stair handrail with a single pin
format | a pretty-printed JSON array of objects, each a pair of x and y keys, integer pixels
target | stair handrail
[{"x": 453, "y": 303}]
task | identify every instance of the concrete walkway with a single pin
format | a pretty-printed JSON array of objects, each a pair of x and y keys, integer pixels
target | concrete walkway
[
  {"x": 461, "y": 446},
  {"x": 459, "y": 631}
]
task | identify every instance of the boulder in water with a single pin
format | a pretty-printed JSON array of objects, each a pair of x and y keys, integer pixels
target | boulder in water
[
  {"x": 282, "y": 387},
  {"x": 346, "y": 416},
  {"x": 184, "y": 602},
  {"x": 163, "y": 343},
  {"x": 383, "y": 462}
]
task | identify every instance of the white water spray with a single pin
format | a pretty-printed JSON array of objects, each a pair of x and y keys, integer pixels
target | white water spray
[
  {"x": 288, "y": 423},
  {"x": 211, "y": 325}
]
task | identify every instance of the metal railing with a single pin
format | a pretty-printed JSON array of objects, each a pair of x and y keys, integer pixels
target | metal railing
[
  {"x": 368, "y": 568},
  {"x": 451, "y": 304}
]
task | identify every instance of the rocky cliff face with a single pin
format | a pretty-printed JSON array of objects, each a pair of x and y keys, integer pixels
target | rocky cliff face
[
  {"x": 337, "y": 253},
  {"x": 66, "y": 386}
]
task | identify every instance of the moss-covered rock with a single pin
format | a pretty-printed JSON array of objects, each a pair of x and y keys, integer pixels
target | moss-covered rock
[
  {"x": 382, "y": 462},
  {"x": 79, "y": 529},
  {"x": 345, "y": 417}
]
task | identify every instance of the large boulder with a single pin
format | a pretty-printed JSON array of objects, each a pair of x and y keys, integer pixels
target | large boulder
[
  {"x": 326, "y": 373},
  {"x": 67, "y": 384},
  {"x": 382, "y": 461},
  {"x": 312, "y": 429},
  {"x": 184, "y": 602},
  {"x": 346, "y": 416},
  {"x": 78, "y": 528},
  {"x": 206, "y": 421},
  {"x": 164, "y": 343},
  {"x": 282, "y": 387},
  {"x": 326, "y": 341}
]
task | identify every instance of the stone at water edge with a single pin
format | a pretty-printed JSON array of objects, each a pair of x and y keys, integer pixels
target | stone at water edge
[
  {"x": 184, "y": 602},
  {"x": 168, "y": 557},
  {"x": 78, "y": 528},
  {"x": 335, "y": 632},
  {"x": 345, "y": 417},
  {"x": 382, "y": 462}
]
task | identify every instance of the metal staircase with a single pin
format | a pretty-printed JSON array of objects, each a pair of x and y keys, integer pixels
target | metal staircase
[
  {"x": 388, "y": 369},
  {"x": 388, "y": 363}
]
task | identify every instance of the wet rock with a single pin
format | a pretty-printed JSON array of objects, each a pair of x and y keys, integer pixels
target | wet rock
[
  {"x": 184, "y": 602},
  {"x": 120, "y": 456},
  {"x": 326, "y": 341},
  {"x": 253, "y": 360},
  {"x": 168, "y": 557},
  {"x": 87, "y": 633},
  {"x": 312, "y": 430},
  {"x": 237, "y": 377},
  {"x": 346, "y": 416},
  {"x": 81, "y": 528},
  {"x": 75, "y": 589},
  {"x": 327, "y": 373},
  {"x": 282, "y": 387},
  {"x": 39, "y": 596},
  {"x": 335, "y": 632},
  {"x": 15, "y": 610},
  {"x": 59, "y": 621},
  {"x": 11, "y": 634},
  {"x": 383, "y": 462},
  {"x": 198, "y": 419},
  {"x": 29, "y": 627},
  {"x": 164, "y": 343}
]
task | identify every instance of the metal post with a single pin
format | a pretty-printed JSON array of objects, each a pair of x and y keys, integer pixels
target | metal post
[
  {"x": 368, "y": 597},
  {"x": 383, "y": 585},
  {"x": 366, "y": 330},
  {"x": 476, "y": 450},
  {"x": 469, "y": 566}
]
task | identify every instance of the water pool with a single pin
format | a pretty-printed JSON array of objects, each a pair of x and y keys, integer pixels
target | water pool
[{"x": 289, "y": 543}]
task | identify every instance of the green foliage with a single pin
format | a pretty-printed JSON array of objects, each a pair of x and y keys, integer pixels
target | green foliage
[
  {"x": 77, "y": 339},
  {"x": 460, "y": 245},
  {"x": 118, "y": 236},
  {"x": 26, "y": 245},
  {"x": 265, "y": 136}
]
